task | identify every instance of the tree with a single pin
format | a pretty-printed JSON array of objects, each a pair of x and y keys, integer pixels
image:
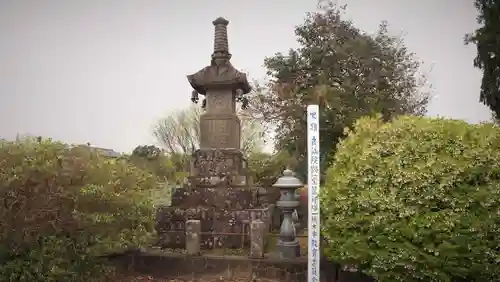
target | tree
[
  {"x": 487, "y": 40},
  {"x": 265, "y": 168},
  {"x": 179, "y": 132},
  {"x": 416, "y": 199},
  {"x": 171, "y": 169},
  {"x": 147, "y": 151},
  {"x": 347, "y": 72}
]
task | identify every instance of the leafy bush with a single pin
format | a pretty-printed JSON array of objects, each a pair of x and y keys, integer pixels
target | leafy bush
[
  {"x": 171, "y": 166},
  {"x": 417, "y": 199},
  {"x": 265, "y": 168},
  {"x": 62, "y": 208},
  {"x": 168, "y": 169}
]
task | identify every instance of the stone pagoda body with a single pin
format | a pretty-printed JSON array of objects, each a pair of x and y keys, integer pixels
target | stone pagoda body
[
  {"x": 220, "y": 129},
  {"x": 217, "y": 191}
]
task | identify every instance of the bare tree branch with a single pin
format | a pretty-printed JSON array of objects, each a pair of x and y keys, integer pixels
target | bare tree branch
[{"x": 179, "y": 133}]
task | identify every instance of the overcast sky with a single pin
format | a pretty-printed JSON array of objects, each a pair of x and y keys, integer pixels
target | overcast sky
[{"x": 103, "y": 71}]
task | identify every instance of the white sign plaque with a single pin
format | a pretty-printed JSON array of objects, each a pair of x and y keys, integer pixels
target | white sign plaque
[{"x": 313, "y": 175}]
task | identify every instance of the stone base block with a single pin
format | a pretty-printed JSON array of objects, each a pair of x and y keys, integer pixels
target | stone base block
[{"x": 288, "y": 250}]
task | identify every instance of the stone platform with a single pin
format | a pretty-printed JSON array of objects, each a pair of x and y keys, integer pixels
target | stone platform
[
  {"x": 168, "y": 265},
  {"x": 220, "y": 228},
  {"x": 225, "y": 214}
]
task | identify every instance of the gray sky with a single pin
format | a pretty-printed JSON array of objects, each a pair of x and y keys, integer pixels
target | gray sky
[{"x": 103, "y": 71}]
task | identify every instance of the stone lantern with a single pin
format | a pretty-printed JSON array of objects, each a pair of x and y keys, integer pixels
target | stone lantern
[{"x": 288, "y": 246}]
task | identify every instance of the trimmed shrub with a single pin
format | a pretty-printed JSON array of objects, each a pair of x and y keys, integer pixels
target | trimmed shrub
[
  {"x": 64, "y": 208},
  {"x": 416, "y": 199}
]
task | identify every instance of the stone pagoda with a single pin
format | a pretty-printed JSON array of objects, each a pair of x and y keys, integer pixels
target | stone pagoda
[
  {"x": 217, "y": 191},
  {"x": 219, "y": 157}
]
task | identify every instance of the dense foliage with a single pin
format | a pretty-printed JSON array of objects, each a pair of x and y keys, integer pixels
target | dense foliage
[
  {"x": 417, "y": 199},
  {"x": 62, "y": 208},
  {"x": 147, "y": 151},
  {"x": 347, "y": 72},
  {"x": 487, "y": 40},
  {"x": 265, "y": 169}
]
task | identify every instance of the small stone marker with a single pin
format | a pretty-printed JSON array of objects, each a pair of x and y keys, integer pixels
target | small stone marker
[
  {"x": 193, "y": 237},
  {"x": 257, "y": 232}
]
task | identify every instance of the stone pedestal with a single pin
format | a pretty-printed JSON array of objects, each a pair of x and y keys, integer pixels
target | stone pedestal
[{"x": 218, "y": 162}]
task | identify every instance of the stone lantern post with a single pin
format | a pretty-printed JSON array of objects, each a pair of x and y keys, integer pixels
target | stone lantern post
[{"x": 288, "y": 246}]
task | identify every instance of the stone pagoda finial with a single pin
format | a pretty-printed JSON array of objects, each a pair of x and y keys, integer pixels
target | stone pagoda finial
[
  {"x": 220, "y": 74},
  {"x": 221, "y": 44}
]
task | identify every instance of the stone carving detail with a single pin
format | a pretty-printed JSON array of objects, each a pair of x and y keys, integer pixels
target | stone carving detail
[
  {"x": 217, "y": 163},
  {"x": 220, "y": 133},
  {"x": 220, "y": 103},
  {"x": 211, "y": 163}
]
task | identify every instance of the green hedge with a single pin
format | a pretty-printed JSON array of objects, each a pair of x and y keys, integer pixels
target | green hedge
[
  {"x": 62, "y": 208},
  {"x": 417, "y": 199}
]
